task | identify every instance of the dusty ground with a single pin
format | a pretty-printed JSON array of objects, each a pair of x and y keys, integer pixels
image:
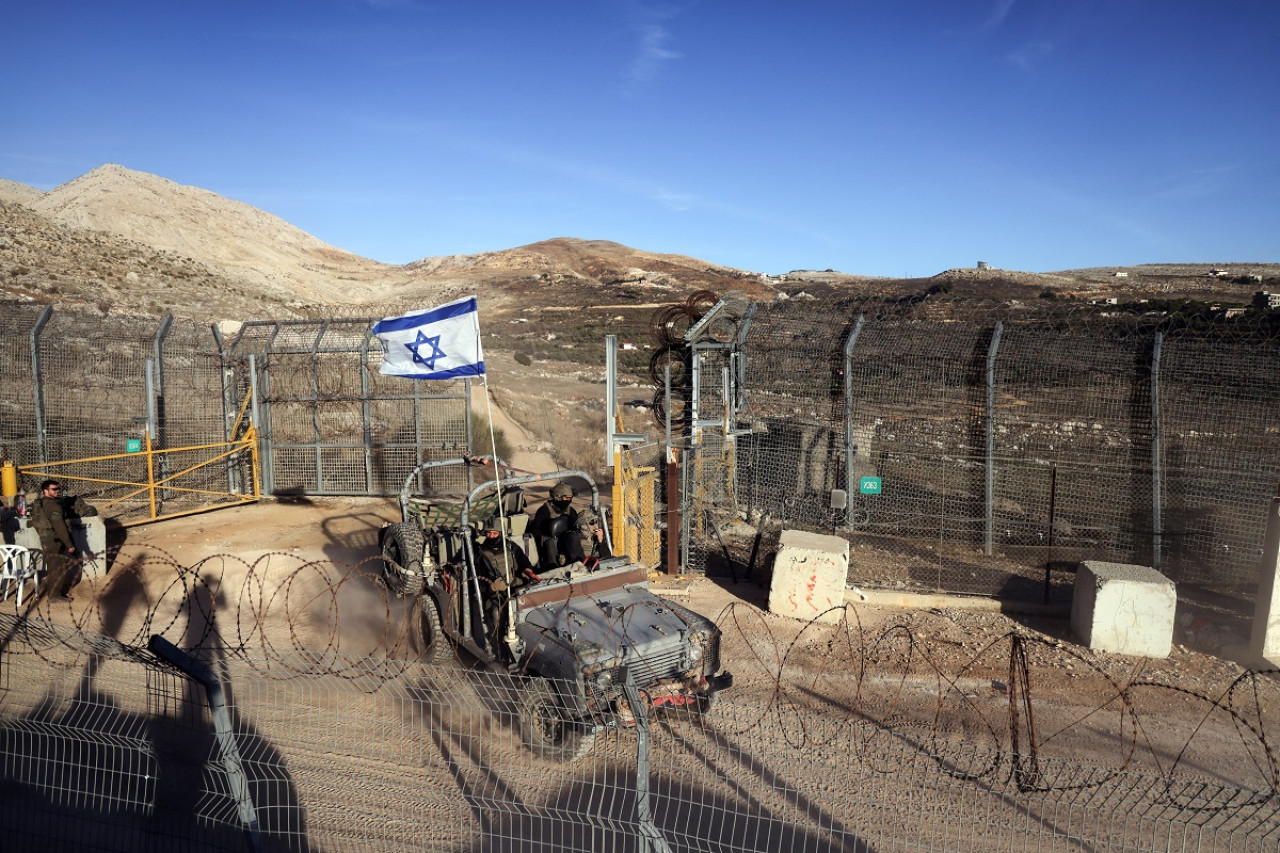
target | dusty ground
[
  {"x": 344, "y": 532},
  {"x": 952, "y": 633},
  {"x": 281, "y": 578}
]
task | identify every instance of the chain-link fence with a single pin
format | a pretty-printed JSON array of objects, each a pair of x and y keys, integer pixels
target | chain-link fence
[
  {"x": 331, "y": 423},
  {"x": 977, "y": 448},
  {"x": 109, "y": 747},
  {"x": 99, "y": 388}
]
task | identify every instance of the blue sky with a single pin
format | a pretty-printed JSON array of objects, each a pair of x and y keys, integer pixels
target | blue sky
[{"x": 882, "y": 138}]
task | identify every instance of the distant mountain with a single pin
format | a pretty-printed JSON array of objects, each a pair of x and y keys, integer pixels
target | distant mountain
[
  {"x": 122, "y": 240},
  {"x": 225, "y": 235},
  {"x": 252, "y": 252},
  {"x": 17, "y": 193}
]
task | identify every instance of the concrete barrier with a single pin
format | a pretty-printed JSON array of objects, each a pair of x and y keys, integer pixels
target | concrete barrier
[
  {"x": 1123, "y": 608},
  {"x": 809, "y": 576},
  {"x": 89, "y": 534}
]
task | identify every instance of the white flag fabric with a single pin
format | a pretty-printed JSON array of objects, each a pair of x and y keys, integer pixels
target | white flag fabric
[{"x": 439, "y": 343}]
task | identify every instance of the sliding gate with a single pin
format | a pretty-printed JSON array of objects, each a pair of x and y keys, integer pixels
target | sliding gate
[{"x": 330, "y": 423}]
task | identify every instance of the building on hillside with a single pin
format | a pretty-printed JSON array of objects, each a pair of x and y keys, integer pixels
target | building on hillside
[{"x": 1265, "y": 299}]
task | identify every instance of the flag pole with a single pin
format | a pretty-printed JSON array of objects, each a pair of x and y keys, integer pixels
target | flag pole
[{"x": 502, "y": 516}]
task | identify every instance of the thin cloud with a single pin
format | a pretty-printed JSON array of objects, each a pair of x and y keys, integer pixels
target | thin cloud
[
  {"x": 1194, "y": 184},
  {"x": 649, "y": 24},
  {"x": 653, "y": 53},
  {"x": 1029, "y": 57},
  {"x": 998, "y": 15}
]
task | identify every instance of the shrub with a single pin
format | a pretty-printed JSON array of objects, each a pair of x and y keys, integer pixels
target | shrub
[
  {"x": 523, "y": 358},
  {"x": 499, "y": 446}
]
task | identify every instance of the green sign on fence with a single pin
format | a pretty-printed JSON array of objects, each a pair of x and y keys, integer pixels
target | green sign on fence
[
  {"x": 869, "y": 486},
  {"x": 133, "y": 445}
]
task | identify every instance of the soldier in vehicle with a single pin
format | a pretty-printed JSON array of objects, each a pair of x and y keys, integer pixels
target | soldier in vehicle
[
  {"x": 495, "y": 565},
  {"x": 555, "y": 530},
  {"x": 591, "y": 534}
]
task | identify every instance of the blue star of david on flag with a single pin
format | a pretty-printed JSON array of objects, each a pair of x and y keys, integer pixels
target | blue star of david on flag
[
  {"x": 429, "y": 360},
  {"x": 439, "y": 343}
]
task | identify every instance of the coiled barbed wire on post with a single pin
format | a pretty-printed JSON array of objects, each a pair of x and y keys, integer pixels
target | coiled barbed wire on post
[{"x": 983, "y": 715}]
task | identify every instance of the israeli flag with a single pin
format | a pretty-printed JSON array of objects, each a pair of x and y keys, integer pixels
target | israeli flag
[{"x": 439, "y": 343}]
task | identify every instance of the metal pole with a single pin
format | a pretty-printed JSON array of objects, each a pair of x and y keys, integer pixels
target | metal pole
[
  {"x": 158, "y": 347},
  {"x": 1156, "y": 480},
  {"x": 610, "y": 396},
  {"x": 990, "y": 491},
  {"x": 466, "y": 417},
  {"x": 682, "y": 485},
  {"x": 673, "y": 484},
  {"x": 651, "y": 840},
  {"x": 225, "y": 373},
  {"x": 231, "y": 763},
  {"x": 156, "y": 398},
  {"x": 37, "y": 383},
  {"x": 264, "y": 431},
  {"x": 149, "y": 385},
  {"x": 850, "y": 447},
  {"x": 1053, "y": 523},
  {"x": 315, "y": 405},
  {"x": 366, "y": 414}
]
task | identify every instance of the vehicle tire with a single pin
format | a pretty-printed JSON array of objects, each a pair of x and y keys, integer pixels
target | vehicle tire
[
  {"x": 402, "y": 546},
  {"x": 544, "y": 729},
  {"x": 432, "y": 643}
]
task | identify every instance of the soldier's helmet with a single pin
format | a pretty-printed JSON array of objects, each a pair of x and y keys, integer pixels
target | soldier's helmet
[{"x": 561, "y": 490}]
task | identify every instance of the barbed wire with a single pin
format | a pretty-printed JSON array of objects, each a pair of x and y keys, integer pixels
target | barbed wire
[{"x": 985, "y": 715}]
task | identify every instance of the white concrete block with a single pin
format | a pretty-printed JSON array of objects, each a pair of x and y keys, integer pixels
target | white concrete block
[
  {"x": 1264, "y": 637},
  {"x": 809, "y": 576},
  {"x": 89, "y": 534},
  {"x": 1122, "y": 608}
]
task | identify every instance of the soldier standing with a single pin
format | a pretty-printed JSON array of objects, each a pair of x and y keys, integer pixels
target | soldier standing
[{"x": 49, "y": 514}]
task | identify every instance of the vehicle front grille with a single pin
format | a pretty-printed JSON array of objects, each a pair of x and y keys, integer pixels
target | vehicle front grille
[{"x": 657, "y": 665}]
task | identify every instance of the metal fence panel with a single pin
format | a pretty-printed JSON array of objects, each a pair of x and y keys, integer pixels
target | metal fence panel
[
  {"x": 329, "y": 423},
  {"x": 103, "y": 747},
  {"x": 1037, "y": 437}
]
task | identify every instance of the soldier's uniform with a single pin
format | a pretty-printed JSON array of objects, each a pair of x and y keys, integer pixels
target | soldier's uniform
[
  {"x": 555, "y": 530},
  {"x": 49, "y": 519}
]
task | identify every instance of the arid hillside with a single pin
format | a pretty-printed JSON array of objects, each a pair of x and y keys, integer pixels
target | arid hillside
[
  {"x": 201, "y": 255},
  {"x": 121, "y": 240}
]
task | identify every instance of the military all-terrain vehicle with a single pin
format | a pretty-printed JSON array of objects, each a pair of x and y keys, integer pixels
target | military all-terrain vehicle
[{"x": 572, "y": 636}]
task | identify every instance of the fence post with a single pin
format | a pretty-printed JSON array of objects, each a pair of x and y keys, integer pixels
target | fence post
[
  {"x": 231, "y": 763},
  {"x": 156, "y": 398},
  {"x": 850, "y": 447},
  {"x": 366, "y": 415},
  {"x": 989, "y": 495},
  {"x": 224, "y": 371},
  {"x": 651, "y": 840},
  {"x": 1156, "y": 541},
  {"x": 263, "y": 429},
  {"x": 161, "y": 416},
  {"x": 150, "y": 385},
  {"x": 315, "y": 403},
  {"x": 37, "y": 383}
]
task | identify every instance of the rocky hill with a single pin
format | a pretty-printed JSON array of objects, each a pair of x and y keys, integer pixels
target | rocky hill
[
  {"x": 137, "y": 242},
  {"x": 118, "y": 240}
]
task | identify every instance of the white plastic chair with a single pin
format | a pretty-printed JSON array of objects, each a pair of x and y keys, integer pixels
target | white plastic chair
[{"x": 17, "y": 567}]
